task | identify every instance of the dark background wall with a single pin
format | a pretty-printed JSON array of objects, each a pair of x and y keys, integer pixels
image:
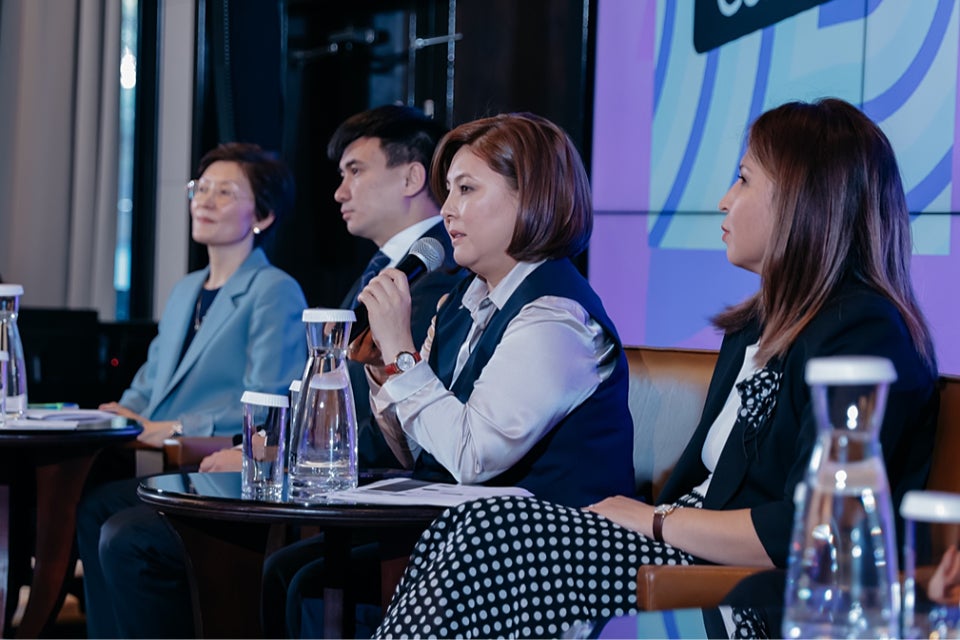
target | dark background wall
[{"x": 285, "y": 74}]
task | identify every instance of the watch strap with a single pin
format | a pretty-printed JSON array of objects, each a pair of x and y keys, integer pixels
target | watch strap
[
  {"x": 659, "y": 515},
  {"x": 393, "y": 368}
]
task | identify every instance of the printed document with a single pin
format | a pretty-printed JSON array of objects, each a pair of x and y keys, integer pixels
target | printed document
[{"x": 405, "y": 491}]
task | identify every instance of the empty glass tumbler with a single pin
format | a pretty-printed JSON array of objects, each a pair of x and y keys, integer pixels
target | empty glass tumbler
[
  {"x": 264, "y": 445},
  {"x": 842, "y": 579},
  {"x": 16, "y": 378},
  {"x": 323, "y": 447},
  {"x": 942, "y": 620}
]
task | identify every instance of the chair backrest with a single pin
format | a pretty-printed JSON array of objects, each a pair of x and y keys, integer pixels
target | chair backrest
[
  {"x": 667, "y": 391},
  {"x": 944, "y": 469}
]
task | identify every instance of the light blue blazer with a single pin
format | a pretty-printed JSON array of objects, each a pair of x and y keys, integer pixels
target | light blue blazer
[{"x": 252, "y": 338}]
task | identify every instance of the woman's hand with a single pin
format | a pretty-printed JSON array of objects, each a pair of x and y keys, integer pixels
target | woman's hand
[
  {"x": 626, "y": 512},
  {"x": 723, "y": 536},
  {"x": 154, "y": 433},
  {"x": 944, "y": 587},
  {"x": 387, "y": 300},
  {"x": 120, "y": 410}
]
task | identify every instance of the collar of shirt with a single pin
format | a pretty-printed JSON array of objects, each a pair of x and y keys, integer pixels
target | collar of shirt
[
  {"x": 398, "y": 246},
  {"x": 499, "y": 295}
]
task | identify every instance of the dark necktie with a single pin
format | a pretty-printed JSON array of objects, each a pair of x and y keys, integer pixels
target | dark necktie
[{"x": 377, "y": 262}]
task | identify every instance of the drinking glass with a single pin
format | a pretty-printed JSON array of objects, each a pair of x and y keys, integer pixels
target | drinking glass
[
  {"x": 935, "y": 507},
  {"x": 264, "y": 445}
]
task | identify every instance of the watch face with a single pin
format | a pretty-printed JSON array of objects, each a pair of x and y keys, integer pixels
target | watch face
[{"x": 405, "y": 361}]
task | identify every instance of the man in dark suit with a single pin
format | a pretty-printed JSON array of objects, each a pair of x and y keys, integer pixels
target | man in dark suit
[{"x": 384, "y": 159}]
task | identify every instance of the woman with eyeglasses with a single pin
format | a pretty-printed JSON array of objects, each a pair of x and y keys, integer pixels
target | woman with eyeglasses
[{"x": 232, "y": 326}]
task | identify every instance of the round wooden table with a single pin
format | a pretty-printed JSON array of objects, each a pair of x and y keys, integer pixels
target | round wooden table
[
  {"x": 44, "y": 470},
  {"x": 227, "y": 539}
]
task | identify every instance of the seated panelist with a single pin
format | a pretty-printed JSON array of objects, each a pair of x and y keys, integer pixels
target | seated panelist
[
  {"x": 521, "y": 380},
  {"x": 383, "y": 157},
  {"x": 232, "y": 326}
]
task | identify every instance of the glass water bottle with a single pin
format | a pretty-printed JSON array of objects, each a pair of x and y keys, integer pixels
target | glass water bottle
[
  {"x": 842, "y": 579},
  {"x": 323, "y": 451},
  {"x": 16, "y": 381}
]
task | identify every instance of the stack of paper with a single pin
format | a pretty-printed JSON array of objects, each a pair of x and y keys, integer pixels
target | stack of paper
[
  {"x": 65, "y": 419},
  {"x": 404, "y": 491}
]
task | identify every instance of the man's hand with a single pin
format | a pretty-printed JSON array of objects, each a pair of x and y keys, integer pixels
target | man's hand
[
  {"x": 944, "y": 587},
  {"x": 364, "y": 349},
  {"x": 223, "y": 460}
]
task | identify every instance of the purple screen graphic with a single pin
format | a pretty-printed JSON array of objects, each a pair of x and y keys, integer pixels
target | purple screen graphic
[{"x": 669, "y": 124}]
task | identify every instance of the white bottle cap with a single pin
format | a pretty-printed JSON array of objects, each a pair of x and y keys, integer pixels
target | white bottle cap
[
  {"x": 329, "y": 315},
  {"x": 8, "y": 290},
  {"x": 265, "y": 399},
  {"x": 850, "y": 370},
  {"x": 931, "y": 506}
]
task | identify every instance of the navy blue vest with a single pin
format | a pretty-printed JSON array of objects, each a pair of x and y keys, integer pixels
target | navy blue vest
[{"x": 588, "y": 455}]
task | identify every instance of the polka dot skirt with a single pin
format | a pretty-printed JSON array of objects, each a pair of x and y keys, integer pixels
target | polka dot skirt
[
  {"x": 749, "y": 623},
  {"x": 520, "y": 567}
]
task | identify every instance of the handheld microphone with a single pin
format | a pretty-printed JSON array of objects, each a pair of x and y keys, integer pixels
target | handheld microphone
[{"x": 425, "y": 255}]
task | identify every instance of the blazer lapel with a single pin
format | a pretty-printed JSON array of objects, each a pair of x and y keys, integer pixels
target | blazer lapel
[
  {"x": 732, "y": 465},
  {"x": 690, "y": 470},
  {"x": 223, "y": 307},
  {"x": 181, "y": 312}
]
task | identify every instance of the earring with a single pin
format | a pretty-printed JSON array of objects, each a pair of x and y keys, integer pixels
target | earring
[{"x": 256, "y": 230}]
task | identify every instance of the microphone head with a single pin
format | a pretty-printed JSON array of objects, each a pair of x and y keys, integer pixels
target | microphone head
[{"x": 430, "y": 251}]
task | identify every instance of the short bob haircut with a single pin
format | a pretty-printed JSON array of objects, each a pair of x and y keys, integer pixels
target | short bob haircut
[
  {"x": 270, "y": 178},
  {"x": 541, "y": 164}
]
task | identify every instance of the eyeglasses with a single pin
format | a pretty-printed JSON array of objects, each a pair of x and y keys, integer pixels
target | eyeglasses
[{"x": 222, "y": 192}]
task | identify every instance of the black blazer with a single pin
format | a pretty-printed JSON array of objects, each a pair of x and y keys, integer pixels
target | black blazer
[
  {"x": 372, "y": 449},
  {"x": 762, "y": 475}
]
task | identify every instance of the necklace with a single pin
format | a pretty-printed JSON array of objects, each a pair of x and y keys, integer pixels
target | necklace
[
  {"x": 197, "y": 318},
  {"x": 204, "y": 301}
]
